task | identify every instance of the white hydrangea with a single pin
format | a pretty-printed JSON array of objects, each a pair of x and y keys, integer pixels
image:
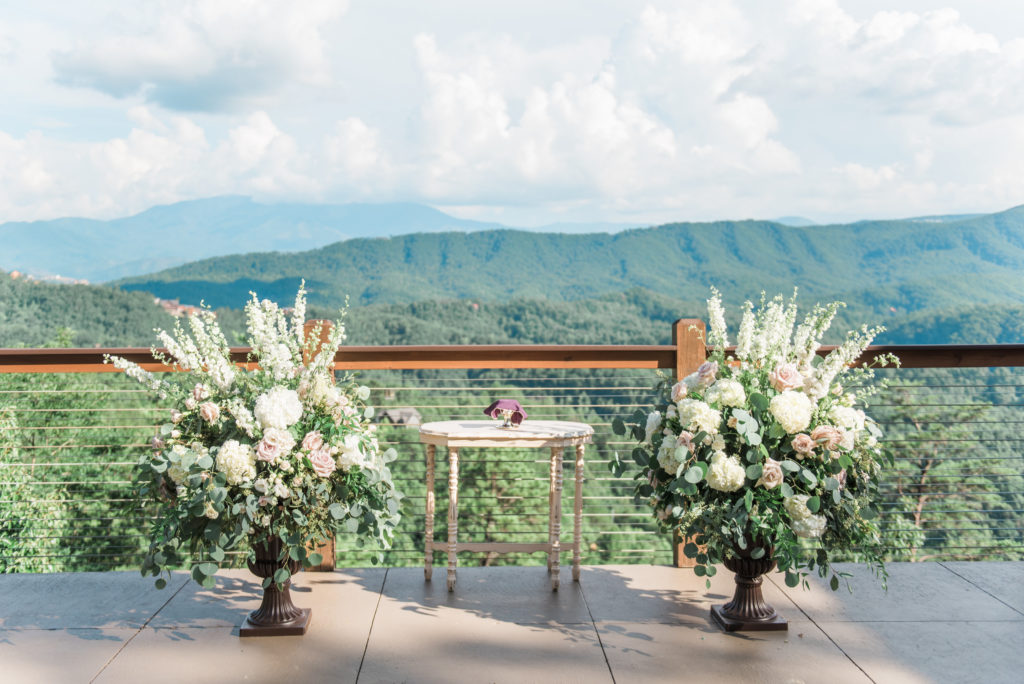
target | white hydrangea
[
  {"x": 796, "y": 506},
  {"x": 726, "y": 392},
  {"x": 653, "y": 423},
  {"x": 848, "y": 417},
  {"x": 793, "y": 411},
  {"x": 670, "y": 456},
  {"x": 697, "y": 416},
  {"x": 725, "y": 474},
  {"x": 278, "y": 408},
  {"x": 351, "y": 454},
  {"x": 237, "y": 461},
  {"x": 811, "y": 527}
]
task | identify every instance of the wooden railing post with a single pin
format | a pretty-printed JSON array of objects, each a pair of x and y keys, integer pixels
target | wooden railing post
[
  {"x": 327, "y": 549},
  {"x": 688, "y": 335}
]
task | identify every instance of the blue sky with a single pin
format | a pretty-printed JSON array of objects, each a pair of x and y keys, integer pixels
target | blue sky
[{"x": 522, "y": 112}]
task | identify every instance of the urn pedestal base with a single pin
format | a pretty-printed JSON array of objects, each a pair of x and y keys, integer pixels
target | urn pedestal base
[
  {"x": 748, "y": 611},
  {"x": 728, "y": 624},
  {"x": 295, "y": 627},
  {"x": 277, "y": 615}
]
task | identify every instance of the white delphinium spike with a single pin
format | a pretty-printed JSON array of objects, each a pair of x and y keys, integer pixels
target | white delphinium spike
[
  {"x": 716, "y": 316},
  {"x": 745, "y": 337},
  {"x": 299, "y": 312},
  {"x": 139, "y": 374},
  {"x": 839, "y": 358}
]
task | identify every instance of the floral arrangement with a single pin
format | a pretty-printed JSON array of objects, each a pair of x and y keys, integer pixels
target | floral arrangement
[
  {"x": 250, "y": 456},
  {"x": 767, "y": 450}
]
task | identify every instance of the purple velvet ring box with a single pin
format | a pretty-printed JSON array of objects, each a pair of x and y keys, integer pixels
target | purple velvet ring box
[{"x": 508, "y": 410}]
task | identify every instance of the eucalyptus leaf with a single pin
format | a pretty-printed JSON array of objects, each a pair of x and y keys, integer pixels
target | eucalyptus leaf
[
  {"x": 831, "y": 483},
  {"x": 281, "y": 575},
  {"x": 792, "y": 579},
  {"x": 208, "y": 568},
  {"x": 808, "y": 477},
  {"x": 834, "y": 583},
  {"x": 757, "y": 552},
  {"x": 690, "y": 550},
  {"x": 161, "y": 583},
  {"x": 790, "y": 466},
  {"x": 754, "y": 471},
  {"x": 618, "y": 427},
  {"x": 758, "y": 401},
  {"x": 787, "y": 491},
  {"x": 700, "y": 570},
  {"x": 315, "y": 558},
  {"x": 814, "y": 504},
  {"x": 217, "y": 554},
  {"x": 694, "y": 475}
]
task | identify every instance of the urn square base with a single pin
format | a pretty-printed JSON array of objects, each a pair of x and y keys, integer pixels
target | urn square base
[
  {"x": 776, "y": 624},
  {"x": 295, "y": 627}
]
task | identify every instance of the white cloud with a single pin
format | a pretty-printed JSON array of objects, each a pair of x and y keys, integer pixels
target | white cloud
[
  {"x": 206, "y": 55},
  {"x": 663, "y": 110}
]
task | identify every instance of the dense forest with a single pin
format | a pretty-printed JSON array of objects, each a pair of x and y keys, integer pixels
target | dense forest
[{"x": 31, "y": 312}]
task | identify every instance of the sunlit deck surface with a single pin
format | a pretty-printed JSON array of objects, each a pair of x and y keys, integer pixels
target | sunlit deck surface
[{"x": 940, "y": 622}]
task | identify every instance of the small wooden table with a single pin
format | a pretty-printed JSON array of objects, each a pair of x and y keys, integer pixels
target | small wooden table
[{"x": 456, "y": 434}]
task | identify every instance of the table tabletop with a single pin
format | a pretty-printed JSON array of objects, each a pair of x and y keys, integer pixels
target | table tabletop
[{"x": 530, "y": 433}]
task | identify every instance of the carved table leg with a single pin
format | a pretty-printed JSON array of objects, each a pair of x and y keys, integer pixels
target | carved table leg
[
  {"x": 428, "y": 559},
  {"x": 556, "y": 514},
  {"x": 577, "y": 530},
  {"x": 453, "y": 513}
]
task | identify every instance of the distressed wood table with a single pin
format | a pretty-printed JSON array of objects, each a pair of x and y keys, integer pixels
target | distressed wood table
[{"x": 554, "y": 435}]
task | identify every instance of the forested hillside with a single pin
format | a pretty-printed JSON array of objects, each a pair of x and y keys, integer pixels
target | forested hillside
[{"x": 882, "y": 268}]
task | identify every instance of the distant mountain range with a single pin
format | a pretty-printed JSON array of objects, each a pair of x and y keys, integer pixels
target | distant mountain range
[
  {"x": 174, "y": 234},
  {"x": 884, "y": 269}
]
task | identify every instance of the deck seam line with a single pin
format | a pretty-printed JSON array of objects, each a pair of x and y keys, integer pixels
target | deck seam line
[
  {"x": 373, "y": 621},
  {"x": 597, "y": 632},
  {"x": 822, "y": 630},
  {"x": 138, "y": 632},
  {"x": 981, "y": 589}
]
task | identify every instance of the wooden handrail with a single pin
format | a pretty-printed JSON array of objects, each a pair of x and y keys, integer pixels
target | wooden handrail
[{"x": 505, "y": 356}]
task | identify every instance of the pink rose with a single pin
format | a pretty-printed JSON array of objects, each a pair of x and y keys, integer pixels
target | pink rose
[
  {"x": 771, "y": 474},
  {"x": 264, "y": 501},
  {"x": 786, "y": 377},
  {"x": 685, "y": 439},
  {"x": 803, "y": 445},
  {"x": 190, "y": 403},
  {"x": 312, "y": 441},
  {"x": 841, "y": 476},
  {"x": 707, "y": 372},
  {"x": 200, "y": 392},
  {"x": 827, "y": 436},
  {"x": 322, "y": 462},
  {"x": 267, "y": 451},
  {"x": 209, "y": 411},
  {"x": 679, "y": 390},
  {"x": 176, "y": 416}
]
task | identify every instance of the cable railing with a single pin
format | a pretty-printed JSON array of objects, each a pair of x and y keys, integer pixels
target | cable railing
[{"x": 71, "y": 432}]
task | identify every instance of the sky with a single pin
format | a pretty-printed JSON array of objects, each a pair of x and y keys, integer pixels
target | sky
[{"x": 522, "y": 112}]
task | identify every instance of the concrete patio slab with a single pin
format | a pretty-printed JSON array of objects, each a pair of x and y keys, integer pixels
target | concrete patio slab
[
  {"x": 83, "y": 599},
  {"x": 507, "y": 593},
  {"x": 200, "y": 627},
  {"x": 661, "y": 593},
  {"x": 31, "y": 656},
  {"x": 918, "y": 592},
  {"x": 453, "y": 646},
  {"x": 628, "y": 622},
  {"x": 647, "y": 652},
  {"x": 963, "y": 652},
  {"x": 1004, "y": 581}
]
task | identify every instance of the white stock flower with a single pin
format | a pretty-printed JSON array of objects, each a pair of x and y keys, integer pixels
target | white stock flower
[
  {"x": 726, "y": 392},
  {"x": 237, "y": 461},
  {"x": 242, "y": 415},
  {"x": 696, "y": 416},
  {"x": 278, "y": 408},
  {"x": 725, "y": 474},
  {"x": 793, "y": 411},
  {"x": 653, "y": 424}
]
